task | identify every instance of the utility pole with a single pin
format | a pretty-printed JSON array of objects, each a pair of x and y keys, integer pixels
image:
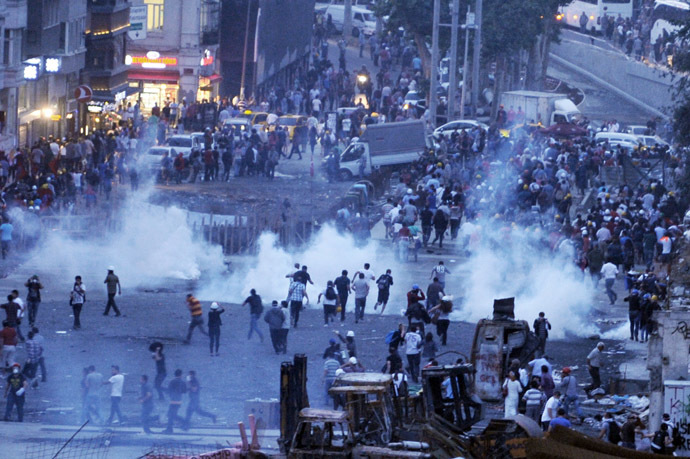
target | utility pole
[
  {"x": 244, "y": 51},
  {"x": 469, "y": 21},
  {"x": 453, "y": 67},
  {"x": 347, "y": 20},
  {"x": 433, "y": 98},
  {"x": 476, "y": 55}
]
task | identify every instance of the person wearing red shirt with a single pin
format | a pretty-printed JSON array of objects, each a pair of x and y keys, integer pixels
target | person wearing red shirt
[{"x": 416, "y": 295}]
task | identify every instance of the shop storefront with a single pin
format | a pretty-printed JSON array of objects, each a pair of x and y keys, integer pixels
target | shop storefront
[
  {"x": 108, "y": 109},
  {"x": 156, "y": 77}
]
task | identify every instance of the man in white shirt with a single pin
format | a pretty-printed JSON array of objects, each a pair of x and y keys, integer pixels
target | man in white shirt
[
  {"x": 603, "y": 235},
  {"x": 550, "y": 410},
  {"x": 536, "y": 365},
  {"x": 116, "y": 381},
  {"x": 368, "y": 273},
  {"x": 609, "y": 271},
  {"x": 413, "y": 347}
]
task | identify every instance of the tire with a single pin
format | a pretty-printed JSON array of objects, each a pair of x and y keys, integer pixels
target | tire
[
  {"x": 355, "y": 32},
  {"x": 344, "y": 175}
]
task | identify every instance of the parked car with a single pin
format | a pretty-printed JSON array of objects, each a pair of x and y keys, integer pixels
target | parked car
[
  {"x": 150, "y": 163},
  {"x": 185, "y": 143},
  {"x": 650, "y": 141},
  {"x": 457, "y": 125}
]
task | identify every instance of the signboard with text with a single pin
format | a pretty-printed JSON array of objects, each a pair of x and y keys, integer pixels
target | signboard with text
[
  {"x": 677, "y": 404},
  {"x": 137, "y": 22}
]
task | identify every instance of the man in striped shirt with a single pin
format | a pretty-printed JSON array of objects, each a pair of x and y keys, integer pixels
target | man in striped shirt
[
  {"x": 297, "y": 293},
  {"x": 194, "y": 306},
  {"x": 34, "y": 350}
]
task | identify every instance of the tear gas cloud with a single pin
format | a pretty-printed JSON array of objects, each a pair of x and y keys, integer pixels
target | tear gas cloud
[
  {"x": 153, "y": 245},
  {"x": 326, "y": 255},
  {"x": 517, "y": 262}
]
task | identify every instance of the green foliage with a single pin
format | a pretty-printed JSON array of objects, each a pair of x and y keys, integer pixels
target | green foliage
[
  {"x": 681, "y": 67},
  {"x": 414, "y": 16},
  {"x": 510, "y": 26}
]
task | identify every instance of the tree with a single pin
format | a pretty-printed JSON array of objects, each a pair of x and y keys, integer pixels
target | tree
[{"x": 681, "y": 67}]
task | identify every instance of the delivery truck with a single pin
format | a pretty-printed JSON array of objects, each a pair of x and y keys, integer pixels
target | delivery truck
[
  {"x": 543, "y": 108},
  {"x": 383, "y": 145}
]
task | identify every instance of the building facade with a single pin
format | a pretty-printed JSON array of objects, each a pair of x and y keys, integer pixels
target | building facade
[
  {"x": 276, "y": 50},
  {"x": 54, "y": 52},
  {"x": 174, "y": 58},
  {"x": 12, "y": 26},
  {"x": 105, "y": 70}
]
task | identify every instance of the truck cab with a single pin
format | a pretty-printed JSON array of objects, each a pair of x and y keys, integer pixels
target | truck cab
[{"x": 351, "y": 158}]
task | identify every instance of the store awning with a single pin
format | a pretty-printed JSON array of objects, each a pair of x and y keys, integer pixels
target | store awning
[
  {"x": 167, "y": 76},
  {"x": 113, "y": 94}
]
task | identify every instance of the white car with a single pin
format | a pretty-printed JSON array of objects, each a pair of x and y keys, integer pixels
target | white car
[
  {"x": 457, "y": 125},
  {"x": 150, "y": 162},
  {"x": 637, "y": 129},
  {"x": 185, "y": 143},
  {"x": 652, "y": 141}
]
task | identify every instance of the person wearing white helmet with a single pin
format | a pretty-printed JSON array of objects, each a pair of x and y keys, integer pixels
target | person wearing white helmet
[
  {"x": 113, "y": 287},
  {"x": 214, "y": 324},
  {"x": 353, "y": 366}
]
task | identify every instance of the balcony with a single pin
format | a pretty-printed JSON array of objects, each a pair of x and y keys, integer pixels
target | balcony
[{"x": 103, "y": 24}]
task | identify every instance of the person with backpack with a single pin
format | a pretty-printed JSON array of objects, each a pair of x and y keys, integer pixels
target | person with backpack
[
  {"x": 256, "y": 308},
  {"x": 77, "y": 298},
  {"x": 330, "y": 303},
  {"x": 384, "y": 283},
  {"x": 661, "y": 439},
  {"x": 610, "y": 430},
  {"x": 275, "y": 317}
]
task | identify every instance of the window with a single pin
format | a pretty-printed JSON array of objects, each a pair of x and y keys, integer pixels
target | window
[
  {"x": 11, "y": 46},
  {"x": 154, "y": 14},
  {"x": 62, "y": 43},
  {"x": 76, "y": 35},
  {"x": 50, "y": 13},
  {"x": 6, "y": 48}
]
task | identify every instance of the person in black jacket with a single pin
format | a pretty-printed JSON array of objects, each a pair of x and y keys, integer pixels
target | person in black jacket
[
  {"x": 214, "y": 324},
  {"x": 417, "y": 316},
  {"x": 176, "y": 389}
]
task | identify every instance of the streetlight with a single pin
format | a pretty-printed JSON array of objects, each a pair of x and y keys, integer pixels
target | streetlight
[{"x": 47, "y": 112}]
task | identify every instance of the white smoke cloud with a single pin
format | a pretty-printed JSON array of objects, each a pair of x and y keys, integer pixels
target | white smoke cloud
[
  {"x": 156, "y": 244},
  {"x": 153, "y": 245},
  {"x": 516, "y": 262}
]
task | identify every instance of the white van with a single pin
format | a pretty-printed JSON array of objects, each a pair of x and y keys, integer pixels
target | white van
[
  {"x": 618, "y": 139},
  {"x": 363, "y": 20}
]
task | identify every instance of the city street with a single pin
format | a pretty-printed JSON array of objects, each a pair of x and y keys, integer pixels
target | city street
[{"x": 92, "y": 181}]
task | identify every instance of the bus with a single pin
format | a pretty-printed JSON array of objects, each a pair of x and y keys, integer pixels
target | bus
[
  {"x": 594, "y": 9},
  {"x": 666, "y": 18}
]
